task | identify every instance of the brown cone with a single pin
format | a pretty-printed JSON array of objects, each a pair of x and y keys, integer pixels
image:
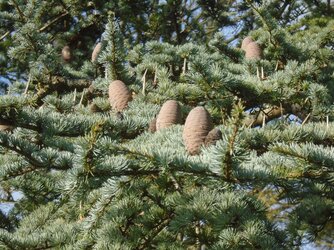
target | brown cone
[
  {"x": 247, "y": 40},
  {"x": 253, "y": 51},
  {"x": 170, "y": 113},
  {"x": 6, "y": 128},
  {"x": 213, "y": 136},
  {"x": 119, "y": 95},
  {"x": 66, "y": 53},
  {"x": 94, "y": 108},
  {"x": 152, "y": 126},
  {"x": 96, "y": 52},
  {"x": 197, "y": 126}
]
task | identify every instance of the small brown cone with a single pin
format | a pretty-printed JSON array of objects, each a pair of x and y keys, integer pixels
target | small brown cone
[
  {"x": 66, "y": 53},
  {"x": 94, "y": 108},
  {"x": 253, "y": 51},
  {"x": 119, "y": 95},
  {"x": 170, "y": 113},
  {"x": 152, "y": 126},
  {"x": 213, "y": 136},
  {"x": 96, "y": 52},
  {"x": 6, "y": 127},
  {"x": 247, "y": 40},
  {"x": 197, "y": 126}
]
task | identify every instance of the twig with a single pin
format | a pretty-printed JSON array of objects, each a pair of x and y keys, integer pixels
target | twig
[
  {"x": 82, "y": 96},
  {"x": 4, "y": 35},
  {"x": 184, "y": 65},
  {"x": 27, "y": 85},
  {"x": 144, "y": 82},
  {"x": 75, "y": 95},
  {"x": 276, "y": 67},
  {"x": 281, "y": 109},
  {"x": 262, "y": 73},
  {"x": 19, "y": 10},
  {"x": 53, "y": 21},
  {"x": 155, "y": 77},
  {"x": 306, "y": 118}
]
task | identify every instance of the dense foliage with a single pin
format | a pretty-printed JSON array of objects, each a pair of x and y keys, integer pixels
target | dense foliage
[{"x": 81, "y": 174}]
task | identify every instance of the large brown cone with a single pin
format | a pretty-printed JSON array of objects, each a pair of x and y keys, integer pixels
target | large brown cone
[
  {"x": 213, "y": 136},
  {"x": 66, "y": 53},
  {"x": 119, "y": 95},
  {"x": 253, "y": 51},
  {"x": 170, "y": 113},
  {"x": 247, "y": 40},
  {"x": 96, "y": 52},
  {"x": 197, "y": 126}
]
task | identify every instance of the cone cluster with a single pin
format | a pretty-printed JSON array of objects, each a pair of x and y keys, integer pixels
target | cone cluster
[{"x": 119, "y": 95}]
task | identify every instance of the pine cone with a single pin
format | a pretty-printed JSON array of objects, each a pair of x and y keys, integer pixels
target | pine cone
[
  {"x": 253, "y": 51},
  {"x": 213, "y": 136},
  {"x": 152, "y": 126},
  {"x": 6, "y": 128},
  {"x": 119, "y": 95},
  {"x": 247, "y": 40},
  {"x": 66, "y": 53},
  {"x": 94, "y": 108},
  {"x": 96, "y": 52},
  {"x": 197, "y": 126},
  {"x": 170, "y": 113}
]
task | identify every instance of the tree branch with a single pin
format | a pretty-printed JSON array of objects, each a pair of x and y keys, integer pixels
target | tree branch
[{"x": 53, "y": 21}]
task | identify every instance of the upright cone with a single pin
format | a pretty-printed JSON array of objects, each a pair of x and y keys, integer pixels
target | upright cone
[
  {"x": 213, "y": 136},
  {"x": 247, "y": 40},
  {"x": 170, "y": 113},
  {"x": 119, "y": 95},
  {"x": 196, "y": 128},
  {"x": 96, "y": 52},
  {"x": 253, "y": 51},
  {"x": 66, "y": 53}
]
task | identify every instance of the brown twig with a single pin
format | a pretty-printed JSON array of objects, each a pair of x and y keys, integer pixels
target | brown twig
[
  {"x": 53, "y": 21},
  {"x": 4, "y": 35}
]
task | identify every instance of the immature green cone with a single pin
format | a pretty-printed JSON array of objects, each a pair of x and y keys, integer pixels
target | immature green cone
[
  {"x": 196, "y": 128},
  {"x": 119, "y": 95},
  {"x": 170, "y": 113},
  {"x": 253, "y": 51},
  {"x": 247, "y": 40}
]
